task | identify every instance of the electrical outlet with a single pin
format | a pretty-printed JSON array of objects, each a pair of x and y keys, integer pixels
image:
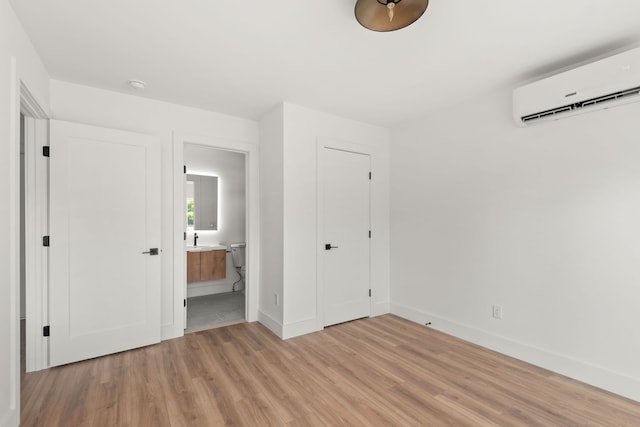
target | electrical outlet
[{"x": 497, "y": 311}]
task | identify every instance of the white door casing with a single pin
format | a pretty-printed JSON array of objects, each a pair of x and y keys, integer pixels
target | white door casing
[
  {"x": 183, "y": 245},
  {"x": 345, "y": 224},
  {"x": 104, "y": 213},
  {"x": 36, "y": 256},
  {"x": 252, "y": 225}
]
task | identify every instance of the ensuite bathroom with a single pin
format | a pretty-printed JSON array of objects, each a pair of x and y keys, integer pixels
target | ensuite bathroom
[{"x": 215, "y": 246}]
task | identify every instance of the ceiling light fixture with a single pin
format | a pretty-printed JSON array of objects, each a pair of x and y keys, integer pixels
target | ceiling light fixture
[
  {"x": 389, "y": 15},
  {"x": 137, "y": 84}
]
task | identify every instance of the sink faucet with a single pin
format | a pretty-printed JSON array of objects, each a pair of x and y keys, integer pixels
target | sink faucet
[{"x": 195, "y": 239}]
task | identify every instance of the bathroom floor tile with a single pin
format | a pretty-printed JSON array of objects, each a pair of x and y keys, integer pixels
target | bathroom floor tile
[{"x": 214, "y": 310}]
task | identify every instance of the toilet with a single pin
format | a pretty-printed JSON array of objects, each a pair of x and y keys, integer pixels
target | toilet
[{"x": 238, "y": 257}]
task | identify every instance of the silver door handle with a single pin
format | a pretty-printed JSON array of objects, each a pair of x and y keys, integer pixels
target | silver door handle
[
  {"x": 328, "y": 247},
  {"x": 152, "y": 251}
]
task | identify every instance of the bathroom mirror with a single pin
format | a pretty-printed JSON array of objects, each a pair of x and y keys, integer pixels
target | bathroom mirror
[{"x": 202, "y": 202}]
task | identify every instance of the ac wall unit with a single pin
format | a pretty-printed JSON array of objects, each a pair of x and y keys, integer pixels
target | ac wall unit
[{"x": 601, "y": 84}]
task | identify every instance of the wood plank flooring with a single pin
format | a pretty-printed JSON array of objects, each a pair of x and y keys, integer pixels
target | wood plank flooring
[{"x": 382, "y": 371}]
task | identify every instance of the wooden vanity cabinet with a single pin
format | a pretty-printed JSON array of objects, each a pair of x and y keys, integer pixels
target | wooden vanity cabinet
[
  {"x": 213, "y": 265},
  {"x": 193, "y": 267},
  {"x": 206, "y": 265}
]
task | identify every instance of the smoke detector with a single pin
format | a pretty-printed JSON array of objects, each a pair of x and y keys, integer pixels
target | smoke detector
[{"x": 137, "y": 84}]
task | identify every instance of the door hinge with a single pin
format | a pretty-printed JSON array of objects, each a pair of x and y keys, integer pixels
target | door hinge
[
  {"x": 369, "y": 233},
  {"x": 46, "y": 331},
  {"x": 185, "y": 235},
  {"x": 184, "y": 301},
  {"x": 185, "y": 168},
  {"x": 45, "y": 151},
  {"x": 369, "y": 293},
  {"x": 45, "y": 241},
  {"x": 369, "y": 175}
]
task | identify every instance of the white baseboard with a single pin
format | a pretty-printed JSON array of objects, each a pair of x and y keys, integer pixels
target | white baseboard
[
  {"x": 380, "y": 308},
  {"x": 597, "y": 376},
  {"x": 307, "y": 326},
  {"x": 11, "y": 419},
  {"x": 171, "y": 331},
  {"x": 290, "y": 330},
  {"x": 198, "y": 289},
  {"x": 303, "y": 327},
  {"x": 270, "y": 323}
]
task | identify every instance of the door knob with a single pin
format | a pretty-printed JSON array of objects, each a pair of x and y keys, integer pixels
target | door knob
[
  {"x": 152, "y": 251},
  {"x": 328, "y": 247}
]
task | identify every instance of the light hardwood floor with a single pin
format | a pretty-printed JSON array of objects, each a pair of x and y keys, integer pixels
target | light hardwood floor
[{"x": 383, "y": 371}]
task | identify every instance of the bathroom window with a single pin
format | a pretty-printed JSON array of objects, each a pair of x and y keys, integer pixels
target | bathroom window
[
  {"x": 190, "y": 206},
  {"x": 190, "y": 214}
]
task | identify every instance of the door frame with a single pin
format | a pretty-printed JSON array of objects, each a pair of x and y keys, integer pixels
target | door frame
[
  {"x": 252, "y": 222},
  {"x": 335, "y": 144},
  {"x": 36, "y": 216}
]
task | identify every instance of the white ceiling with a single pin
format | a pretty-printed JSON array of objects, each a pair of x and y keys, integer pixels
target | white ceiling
[{"x": 244, "y": 57}]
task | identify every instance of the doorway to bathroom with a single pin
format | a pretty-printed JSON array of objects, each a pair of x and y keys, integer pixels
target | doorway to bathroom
[{"x": 215, "y": 236}]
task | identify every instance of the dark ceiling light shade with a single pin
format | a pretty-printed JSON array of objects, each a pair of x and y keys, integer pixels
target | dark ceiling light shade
[{"x": 389, "y": 15}]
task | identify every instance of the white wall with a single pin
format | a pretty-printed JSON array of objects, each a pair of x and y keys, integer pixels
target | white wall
[
  {"x": 18, "y": 62},
  {"x": 272, "y": 219},
  {"x": 541, "y": 220},
  {"x": 98, "y": 107},
  {"x": 229, "y": 167},
  {"x": 302, "y": 128},
  {"x": 288, "y": 155}
]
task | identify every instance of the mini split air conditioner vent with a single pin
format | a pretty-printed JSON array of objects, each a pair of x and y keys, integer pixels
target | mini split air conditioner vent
[
  {"x": 583, "y": 104},
  {"x": 604, "y": 83}
]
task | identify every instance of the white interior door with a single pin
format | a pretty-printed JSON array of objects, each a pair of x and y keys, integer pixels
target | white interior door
[
  {"x": 104, "y": 214},
  {"x": 345, "y": 216}
]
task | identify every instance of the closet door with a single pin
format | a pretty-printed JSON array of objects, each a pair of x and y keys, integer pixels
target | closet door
[{"x": 345, "y": 216}]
